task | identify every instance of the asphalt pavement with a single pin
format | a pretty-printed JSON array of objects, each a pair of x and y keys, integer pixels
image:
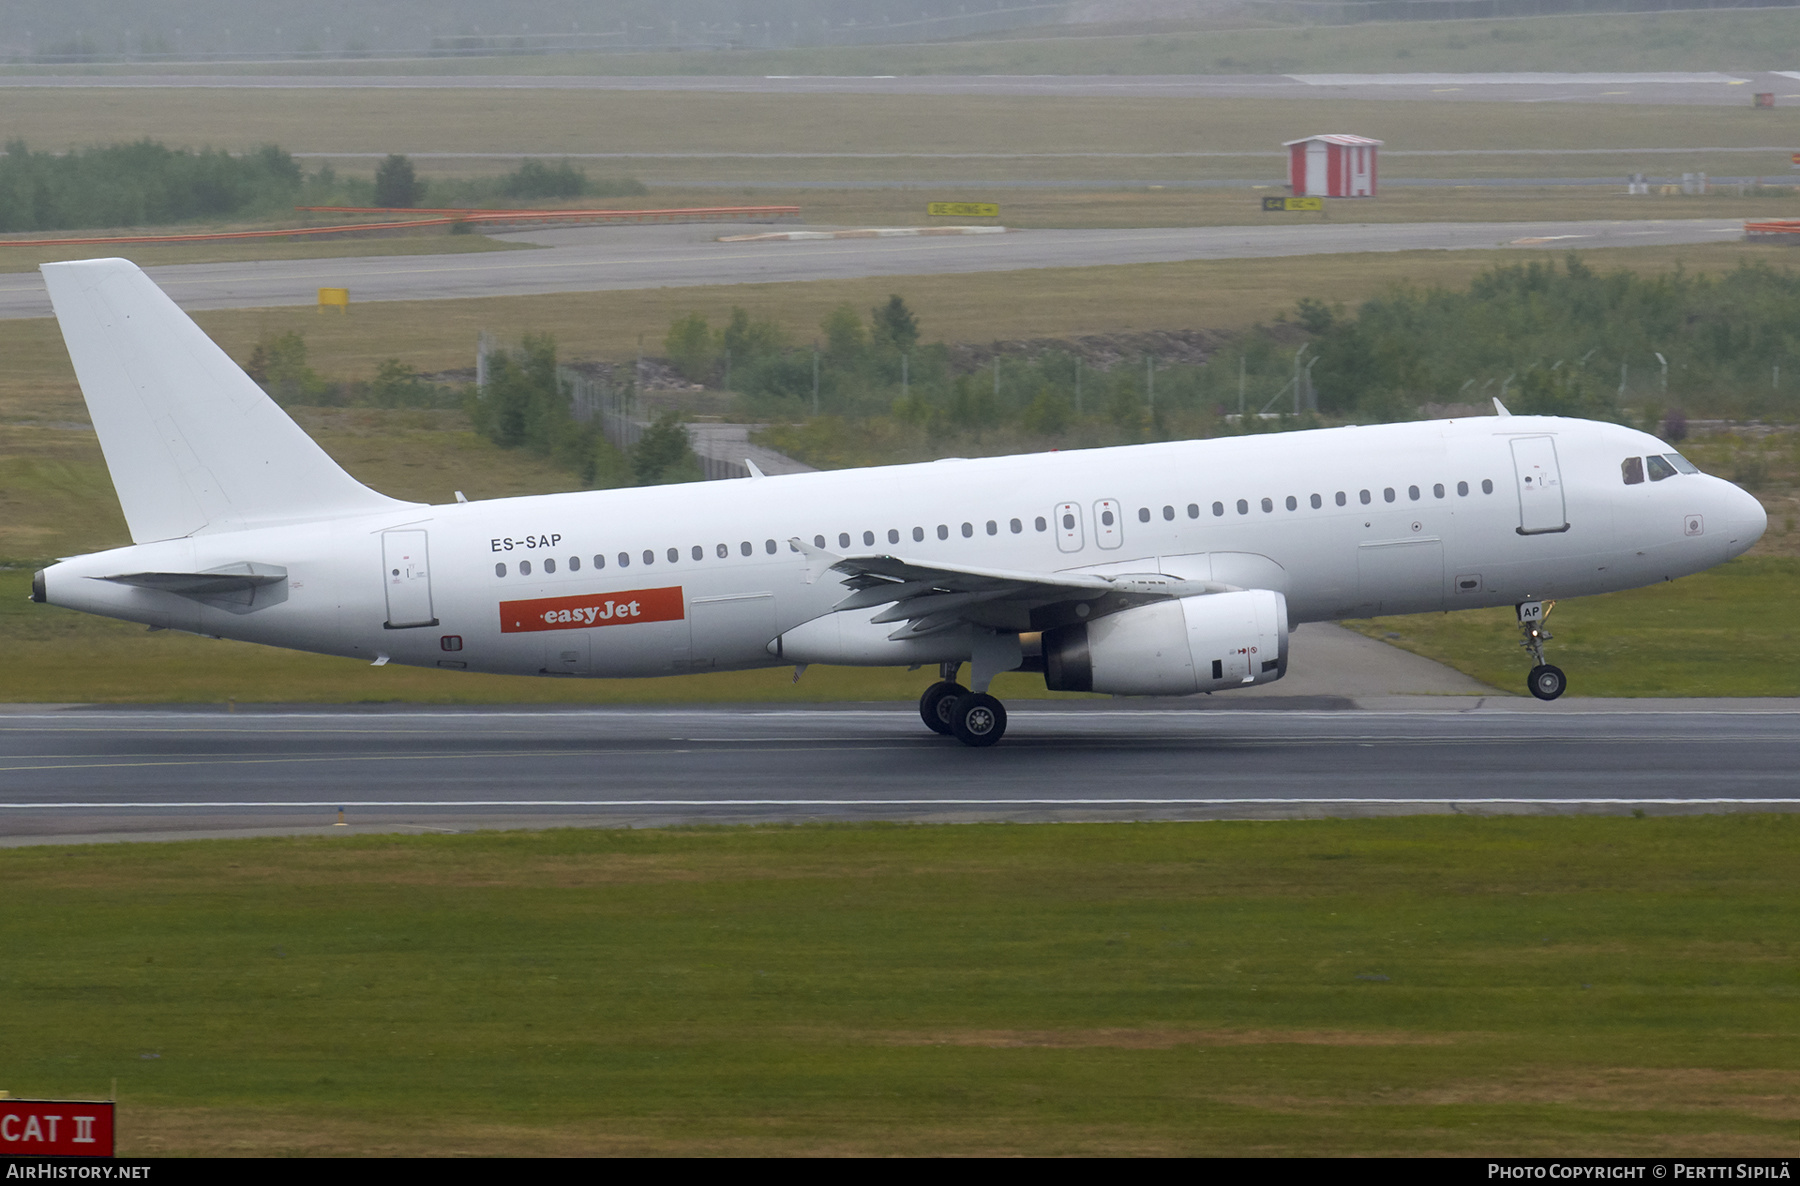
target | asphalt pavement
[
  {"x": 599, "y": 259},
  {"x": 119, "y": 774}
]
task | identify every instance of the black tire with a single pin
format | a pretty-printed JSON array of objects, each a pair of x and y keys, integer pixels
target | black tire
[
  {"x": 934, "y": 705},
  {"x": 1547, "y": 682},
  {"x": 978, "y": 719}
]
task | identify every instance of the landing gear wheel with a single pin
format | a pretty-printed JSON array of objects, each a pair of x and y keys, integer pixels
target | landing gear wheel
[
  {"x": 1546, "y": 682},
  {"x": 977, "y": 719},
  {"x": 934, "y": 705}
]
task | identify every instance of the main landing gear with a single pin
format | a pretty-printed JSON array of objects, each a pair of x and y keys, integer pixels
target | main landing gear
[
  {"x": 973, "y": 718},
  {"x": 1546, "y": 681}
]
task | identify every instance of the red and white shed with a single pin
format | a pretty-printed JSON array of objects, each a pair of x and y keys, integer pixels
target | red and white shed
[{"x": 1332, "y": 166}]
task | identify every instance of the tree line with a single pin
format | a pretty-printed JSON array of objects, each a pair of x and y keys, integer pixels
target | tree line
[
  {"x": 150, "y": 184},
  {"x": 1545, "y": 337},
  {"x": 524, "y": 404},
  {"x": 877, "y": 365},
  {"x": 1567, "y": 340}
]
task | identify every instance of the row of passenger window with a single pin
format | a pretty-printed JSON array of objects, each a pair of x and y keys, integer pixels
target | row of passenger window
[
  {"x": 1365, "y": 497},
  {"x": 992, "y": 527},
  {"x": 770, "y": 547},
  {"x": 623, "y": 560}
]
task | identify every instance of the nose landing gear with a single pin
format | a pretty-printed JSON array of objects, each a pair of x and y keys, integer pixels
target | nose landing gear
[{"x": 1546, "y": 681}]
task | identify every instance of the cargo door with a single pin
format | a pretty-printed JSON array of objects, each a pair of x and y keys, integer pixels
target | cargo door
[
  {"x": 1401, "y": 576},
  {"x": 1109, "y": 531},
  {"x": 731, "y": 631},
  {"x": 1069, "y": 537},
  {"x": 1541, "y": 509},
  {"x": 566, "y": 652},
  {"x": 404, "y": 557}
]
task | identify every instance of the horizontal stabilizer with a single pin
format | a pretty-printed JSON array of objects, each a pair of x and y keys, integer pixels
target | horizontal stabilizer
[
  {"x": 233, "y": 578},
  {"x": 193, "y": 444},
  {"x": 230, "y": 585}
]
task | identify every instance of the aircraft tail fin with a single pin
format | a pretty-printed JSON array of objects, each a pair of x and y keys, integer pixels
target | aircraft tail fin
[{"x": 193, "y": 444}]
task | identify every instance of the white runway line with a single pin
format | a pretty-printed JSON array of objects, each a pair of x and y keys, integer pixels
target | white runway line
[
  {"x": 251, "y": 717},
  {"x": 1520, "y": 79},
  {"x": 334, "y": 804}
]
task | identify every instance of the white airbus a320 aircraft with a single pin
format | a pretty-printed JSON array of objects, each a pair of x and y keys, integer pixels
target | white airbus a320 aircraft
[{"x": 1158, "y": 570}]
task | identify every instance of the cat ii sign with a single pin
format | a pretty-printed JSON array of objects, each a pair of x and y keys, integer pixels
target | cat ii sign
[{"x": 53, "y": 1128}]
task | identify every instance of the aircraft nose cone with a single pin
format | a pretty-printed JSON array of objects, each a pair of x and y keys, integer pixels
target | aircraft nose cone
[{"x": 1747, "y": 518}]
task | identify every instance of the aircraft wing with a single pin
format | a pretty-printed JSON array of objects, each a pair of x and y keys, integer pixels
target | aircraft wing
[{"x": 926, "y": 598}]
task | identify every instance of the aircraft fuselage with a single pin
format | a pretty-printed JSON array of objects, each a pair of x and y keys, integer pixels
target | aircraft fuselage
[{"x": 1345, "y": 522}]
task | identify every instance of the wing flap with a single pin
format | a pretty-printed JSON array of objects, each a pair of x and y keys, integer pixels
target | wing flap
[{"x": 929, "y": 597}]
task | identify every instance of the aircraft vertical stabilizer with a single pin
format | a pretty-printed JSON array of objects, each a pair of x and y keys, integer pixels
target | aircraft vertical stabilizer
[{"x": 193, "y": 444}]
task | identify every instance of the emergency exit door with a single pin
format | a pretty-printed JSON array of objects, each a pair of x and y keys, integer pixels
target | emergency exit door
[
  {"x": 406, "y": 566},
  {"x": 1541, "y": 509},
  {"x": 1068, "y": 527}
]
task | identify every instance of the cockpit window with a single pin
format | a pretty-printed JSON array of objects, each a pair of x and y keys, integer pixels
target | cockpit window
[
  {"x": 1659, "y": 469},
  {"x": 1681, "y": 463},
  {"x": 1633, "y": 469}
]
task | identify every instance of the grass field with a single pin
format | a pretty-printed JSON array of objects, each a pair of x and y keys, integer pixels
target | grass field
[
  {"x": 1458, "y": 985},
  {"x": 549, "y": 122},
  {"x": 56, "y": 498},
  {"x": 712, "y": 172},
  {"x": 1728, "y": 40},
  {"x": 1732, "y": 631},
  {"x": 38, "y": 386}
]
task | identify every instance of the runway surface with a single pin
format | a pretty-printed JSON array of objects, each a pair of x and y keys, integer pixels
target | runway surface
[
  {"x": 629, "y": 257},
  {"x": 119, "y": 774},
  {"x": 1704, "y": 88},
  {"x": 1210, "y": 154}
]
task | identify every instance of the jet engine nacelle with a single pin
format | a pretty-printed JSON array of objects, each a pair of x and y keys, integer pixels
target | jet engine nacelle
[{"x": 1171, "y": 648}]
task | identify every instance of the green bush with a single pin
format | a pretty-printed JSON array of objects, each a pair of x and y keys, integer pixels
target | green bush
[
  {"x": 534, "y": 179},
  {"x": 663, "y": 454},
  {"x": 396, "y": 183},
  {"x": 1569, "y": 339},
  {"x": 137, "y": 184},
  {"x": 524, "y": 404},
  {"x": 747, "y": 340},
  {"x": 690, "y": 348},
  {"x": 278, "y": 363},
  {"x": 397, "y": 385},
  {"x": 893, "y": 325}
]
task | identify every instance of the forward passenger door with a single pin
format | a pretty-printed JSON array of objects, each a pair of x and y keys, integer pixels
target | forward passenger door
[{"x": 1541, "y": 506}]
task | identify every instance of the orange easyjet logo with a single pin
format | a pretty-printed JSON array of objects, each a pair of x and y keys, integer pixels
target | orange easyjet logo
[{"x": 580, "y": 613}]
